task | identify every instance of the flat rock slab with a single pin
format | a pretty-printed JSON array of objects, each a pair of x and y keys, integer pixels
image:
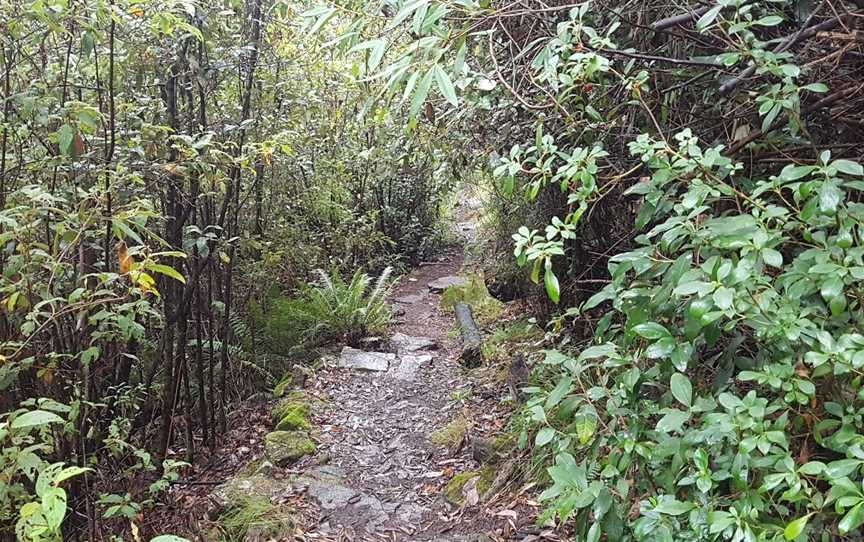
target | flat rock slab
[
  {"x": 347, "y": 506},
  {"x": 351, "y": 358},
  {"x": 407, "y": 343},
  {"x": 439, "y": 285},
  {"x": 408, "y": 366}
]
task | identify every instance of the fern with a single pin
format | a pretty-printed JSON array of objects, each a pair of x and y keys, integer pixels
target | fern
[{"x": 333, "y": 309}]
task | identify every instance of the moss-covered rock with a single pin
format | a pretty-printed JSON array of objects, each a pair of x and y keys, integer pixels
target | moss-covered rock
[
  {"x": 284, "y": 385},
  {"x": 293, "y": 402},
  {"x": 454, "y": 491},
  {"x": 296, "y": 418},
  {"x": 486, "y": 309},
  {"x": 245, "y": 484},
  {"x": 452, "y": 434},
  {"x": 290, "y": 415},
  {"x": 284, "y": 447},
  {"x": 296, "y": 377},
  {"x": 255, "y": 519}
]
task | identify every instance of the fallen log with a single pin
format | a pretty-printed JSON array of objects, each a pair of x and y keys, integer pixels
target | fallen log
[{"x": 472, "y": 340}]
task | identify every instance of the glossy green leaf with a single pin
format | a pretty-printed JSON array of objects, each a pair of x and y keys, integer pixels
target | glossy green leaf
[{"x": 681, "y": 389}]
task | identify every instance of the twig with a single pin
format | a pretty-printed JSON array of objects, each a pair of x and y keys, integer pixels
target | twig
[
  {"x": 824, "y": 102},
  {"x": 805, "y": 32}
]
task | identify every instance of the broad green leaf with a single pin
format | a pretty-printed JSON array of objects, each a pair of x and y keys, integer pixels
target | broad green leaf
[
  {"x": 771, "y": 20},
  {"x": 852, "y": 520},
  {"x": 673, "y": 507},
  {"x": 69, "y": 472},
  {"x": 772, "y": 257},
  {"x": 586, "y": 426},
  {"x": 376, "y": 51},
  {"x": 681, "y": 389},
  {"x": 544, "y": 436},
  {"x": 794, "y": 529},
  {"x": 830, "y": 197},
  {"x": 166, "y": 270},
  {"x": 832, "y": 287},
  {"x": 35, "y": 418},
  {"x": 321, "y": 15},
  {"x": 421, "y": 93},
  {"x": 552, "y": 288},
  {"x": 651, "y": 330},
  {"x": 673, "y": 420},
  {"x": 65, "y": 138},
  {"x": 561, "y": 389},
  {"x": 406, "y": 11},
  {"x": 848, "y": 167},
  {"x": 661, "y": 348},
  {"x": 723, "y": 297},
  {"x": 597, "y": 351},
  {"x": 54, "y": 507},
  {"x": 705, "y": 20}
]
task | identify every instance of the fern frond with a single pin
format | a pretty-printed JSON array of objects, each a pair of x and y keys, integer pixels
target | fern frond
[{"x": 382, "y": 286}]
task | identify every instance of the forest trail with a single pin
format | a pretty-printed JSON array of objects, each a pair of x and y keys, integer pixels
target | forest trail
[{"x": 383, "y": 476}]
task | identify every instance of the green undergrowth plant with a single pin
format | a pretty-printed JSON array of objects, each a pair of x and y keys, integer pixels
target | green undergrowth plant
[
  {"x": 332, "y": 309},
  {"x": 722, "y": 396},
  {"x": 254, "y": 519},
  {"x": 511, "y": 337}
]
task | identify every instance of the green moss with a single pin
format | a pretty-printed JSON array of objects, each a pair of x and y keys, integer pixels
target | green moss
[
  {"x": 503, "y": 342},
  {"x": 453, "y": 489},
  {"x": 505, "y": 443},
  {"x": 297, "y": 406},
  {"x": 296, "y": 418},
  {"x": 487, "y": 476},
  {"x": 252, "y": 518},
  {"x": 286, "y": 382},
  {"x": 451, "y": 434},
  {"x": 251, "y": 468},
  {"x": 284, "y": 447},
  {"x": 486, "y": 308}
]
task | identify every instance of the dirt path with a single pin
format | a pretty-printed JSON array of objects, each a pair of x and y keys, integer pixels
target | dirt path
[{"x": 384, "y": 476}]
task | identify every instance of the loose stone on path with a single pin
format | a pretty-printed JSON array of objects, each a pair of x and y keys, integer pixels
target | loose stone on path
[
  {"x": 351, "y": 358},
  {"x": 403, "y": 343},
  {"x": 439, "y": 285},
  {"x": 408, "y": 366}
]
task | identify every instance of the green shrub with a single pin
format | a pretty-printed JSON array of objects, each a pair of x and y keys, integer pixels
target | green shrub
[
  {"x": 722, "y": 398},
  {"x": 331, "y": 310}
]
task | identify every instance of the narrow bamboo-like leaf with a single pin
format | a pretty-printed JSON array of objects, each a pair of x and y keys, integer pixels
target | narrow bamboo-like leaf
[
  {"x": 445, "y": 85},
  {"x": 420, "y": 94}
]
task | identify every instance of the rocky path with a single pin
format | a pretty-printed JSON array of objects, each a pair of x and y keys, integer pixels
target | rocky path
[{"x": 382, "y": 476}]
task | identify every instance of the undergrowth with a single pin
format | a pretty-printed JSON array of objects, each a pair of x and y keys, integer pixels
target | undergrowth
[
  {"x": 254, "y": 519},
  {"x": 331, "y": 310}
]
